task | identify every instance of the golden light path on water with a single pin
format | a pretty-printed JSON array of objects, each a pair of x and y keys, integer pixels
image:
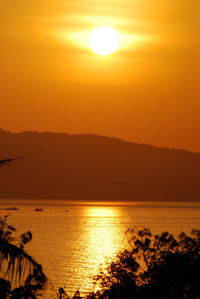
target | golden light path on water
[
  {"x": 72, "y": 245},
  {"x": 99, "y": 240},
  {"x": 99, "y": 225}
]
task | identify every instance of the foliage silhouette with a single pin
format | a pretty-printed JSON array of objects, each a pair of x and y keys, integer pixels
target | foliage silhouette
[
  {"x": 159, "y": 266},
  {"x": 19, "y": 267}
]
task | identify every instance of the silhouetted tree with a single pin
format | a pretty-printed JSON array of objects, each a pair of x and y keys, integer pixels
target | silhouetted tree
[
  {"x": 18, "y": 266},
  {"x": 157, "y": 266}
]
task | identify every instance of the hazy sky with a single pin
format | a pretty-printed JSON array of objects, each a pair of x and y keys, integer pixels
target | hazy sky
[{"x": 147, "y": 92}]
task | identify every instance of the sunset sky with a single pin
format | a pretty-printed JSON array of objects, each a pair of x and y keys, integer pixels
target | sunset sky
[{"x": 148, "y": 91}]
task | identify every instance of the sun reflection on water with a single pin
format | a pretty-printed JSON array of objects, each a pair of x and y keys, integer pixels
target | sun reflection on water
[
  {"x": 101, "y": 238},
  {"x": 102, "y": 212},
  {"x": 101, "y": 232}
]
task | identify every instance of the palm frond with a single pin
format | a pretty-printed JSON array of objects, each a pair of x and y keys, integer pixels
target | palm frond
[{"x": 17, "y": 264}]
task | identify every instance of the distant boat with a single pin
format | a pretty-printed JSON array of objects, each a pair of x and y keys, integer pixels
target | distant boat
[
  {"x": 38, "y": 210},
  {"x": 11, "y": 209},
  {"x": 66, "y": 210}
]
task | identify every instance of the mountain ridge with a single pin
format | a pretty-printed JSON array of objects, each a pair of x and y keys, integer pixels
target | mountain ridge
[
  {"x": 89, "y": 166},
  {"x": 2, "y": 131}
]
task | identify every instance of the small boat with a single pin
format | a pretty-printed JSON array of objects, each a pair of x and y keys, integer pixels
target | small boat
[
  {"x": 11, "y": 209},
  {"x": 67, "y": 211},
  {"x": 38, "y": 210}
]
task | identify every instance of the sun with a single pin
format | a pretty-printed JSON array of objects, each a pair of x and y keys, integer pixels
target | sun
[{"x": 104, "y": 40}]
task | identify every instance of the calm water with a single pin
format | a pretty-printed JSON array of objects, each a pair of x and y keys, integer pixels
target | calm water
[{"x": 72, "y": 245}]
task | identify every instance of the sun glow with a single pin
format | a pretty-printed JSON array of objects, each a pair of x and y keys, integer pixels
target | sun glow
[{"x": 104, "y": 40}]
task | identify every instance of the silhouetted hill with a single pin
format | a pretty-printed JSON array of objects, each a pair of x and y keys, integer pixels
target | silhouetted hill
[{"x": 95, "y": 167}]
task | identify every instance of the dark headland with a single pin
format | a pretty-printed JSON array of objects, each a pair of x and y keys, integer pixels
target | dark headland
[{"x": 92, "y": 167}]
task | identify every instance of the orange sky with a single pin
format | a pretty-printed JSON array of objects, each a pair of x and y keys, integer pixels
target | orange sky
[{"x": 147, "y": 92}]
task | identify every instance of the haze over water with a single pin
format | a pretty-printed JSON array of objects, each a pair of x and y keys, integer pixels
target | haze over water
[{"x": 71, "y": 245}]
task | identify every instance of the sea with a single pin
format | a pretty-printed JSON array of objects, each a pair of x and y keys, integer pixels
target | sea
[{"x": 73, "y": 240}]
